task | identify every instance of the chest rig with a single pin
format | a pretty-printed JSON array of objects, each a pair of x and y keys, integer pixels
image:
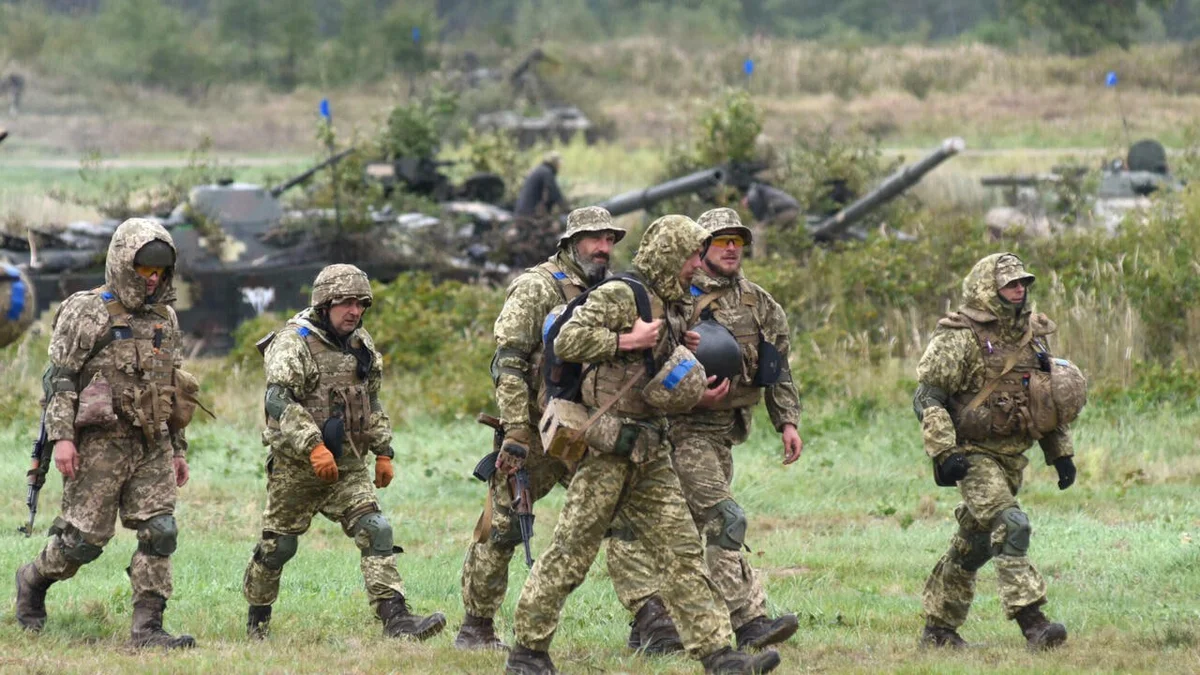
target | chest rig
[
  {"x": 735, "y": 309},
  {"x": 603, "y": 381},
  {"x": 137, "y": 358},
  {"x": 1013, "y": 399},
  {"x": 340, "y": 392}
]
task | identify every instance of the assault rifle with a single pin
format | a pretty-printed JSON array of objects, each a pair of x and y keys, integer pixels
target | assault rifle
[
  {"x": 518, "y": 483},
  {"x": 36, "y": 476}
]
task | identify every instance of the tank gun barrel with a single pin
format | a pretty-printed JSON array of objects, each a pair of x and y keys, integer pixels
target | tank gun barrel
[
  {"x": 300, "y": 178},
  {"x": 898, "y": 182},
  {"x": 1020, "y": 180},
  {"x": 636, "y": 200}
]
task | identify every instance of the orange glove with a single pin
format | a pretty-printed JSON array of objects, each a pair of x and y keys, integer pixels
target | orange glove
[
  {"x": 323, "y": 463},
  {"x": 384, "y": 473}
]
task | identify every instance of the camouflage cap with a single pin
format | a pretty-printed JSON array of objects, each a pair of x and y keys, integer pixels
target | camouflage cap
[
  {"x": 724, "y": 220},
  {"x": 336, "y": 282},
  {"x": 590, "y": 220},
  {"x": 1009, "y": 268}
]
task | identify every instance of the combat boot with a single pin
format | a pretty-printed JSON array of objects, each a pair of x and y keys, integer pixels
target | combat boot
[
  {"x": 147, "y": 629},
  {"x": 935, "y": 635},
  {"x": 525, "y": 661},
  {"x": 760, "y": 631},
  {"x": 399, "y": 622},
  {"x": 1040, "y": 633},
  {"x": 478, "y": 633},
  {"x": 258, "y": 622},
  {"x": 31, "y": 597},
  {"x": 734, "y": 662},
  {"x": 655, "y": 632}
]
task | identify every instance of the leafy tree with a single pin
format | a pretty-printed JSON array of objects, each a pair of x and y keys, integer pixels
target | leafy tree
[{"x": 1085, "y": 26}]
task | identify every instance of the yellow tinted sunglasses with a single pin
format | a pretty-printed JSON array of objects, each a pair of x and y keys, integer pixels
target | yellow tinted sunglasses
[
  {"x": 146, "y": 271},
  {"x": 725, "y": 240}
]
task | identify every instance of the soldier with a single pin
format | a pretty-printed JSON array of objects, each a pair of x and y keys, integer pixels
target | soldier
[
  {"x": 110, "y": 398},
  {"x": 981, "y": 399},
  {"x": 627, "y": 466},
  {"x": 703, "y": 439},
  {"x": 582, "y": 259},
  {"x": 534, "y": 224},
  {"x": 323, "y": 416}
]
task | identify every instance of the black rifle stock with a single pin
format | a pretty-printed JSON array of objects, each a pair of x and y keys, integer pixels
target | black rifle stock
[
  {"x": 36, "y": 476},
  {"x": 518, "y": 483}
]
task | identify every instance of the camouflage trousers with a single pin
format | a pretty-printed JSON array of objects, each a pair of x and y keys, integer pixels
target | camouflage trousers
[
  {"x": 119, "y": 474},
  {"x": 485, "y": 569},
  {"x": 989, "y": 488},
  {"x": 649, "y": 499},
  {"x": 294, "y": 496},
  {"x": 703, "y": 459}
]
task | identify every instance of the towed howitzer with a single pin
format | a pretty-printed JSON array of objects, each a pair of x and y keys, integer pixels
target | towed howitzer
[
  {"x": 836, "y": 225},
  {"x": 300, "y": 178},
  {"x": 636, "y": 200},
  {"x": 518, "y": 483}
]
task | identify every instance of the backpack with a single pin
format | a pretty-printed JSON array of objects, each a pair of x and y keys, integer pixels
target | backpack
[{"x": 564, "y": 380}]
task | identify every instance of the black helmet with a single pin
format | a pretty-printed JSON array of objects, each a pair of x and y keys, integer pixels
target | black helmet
[
  {"x": 156, "y": 253},
  {"x": 719, "y": 351}
]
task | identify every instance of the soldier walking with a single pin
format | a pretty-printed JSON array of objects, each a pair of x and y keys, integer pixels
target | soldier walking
[
  {"x": 988, "y": 388},
  {"x": 111, "y": 414},
  {"x": 323, "y": 418}
]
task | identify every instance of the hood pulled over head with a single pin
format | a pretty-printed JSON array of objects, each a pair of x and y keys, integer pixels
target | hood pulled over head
[
  {"x": 665, "y": 247},
  {"x": 981, "y": 287},
  {"x": 121, "y": 276}
]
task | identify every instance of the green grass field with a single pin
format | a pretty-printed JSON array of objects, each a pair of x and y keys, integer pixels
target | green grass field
[{"x": 844, "y": 538}]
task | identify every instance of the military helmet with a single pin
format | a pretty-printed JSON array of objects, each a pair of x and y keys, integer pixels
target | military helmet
[
  {"x": 590, "y": 220},
  {"x": 1009, "y": 268},
  {"x": 718, "y": 351},
  {"x": 724, "y": 220},
  {"x": 679, "y": 385},
  {"x": 1068, "y": 389},
  {"x": 18, "y": 307},
  {"x": 336, "y": 282},
  {"x": 155, "y": 253}
]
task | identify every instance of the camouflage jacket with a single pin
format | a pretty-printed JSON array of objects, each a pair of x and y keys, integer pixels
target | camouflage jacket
[
  {"x": 518, "y": 332},
  {"x": 83, "y": 340},
  {"x": 289, "y": 363},
  {"x": 749, "y": 311},
  {"x": 953, "y": 365}
]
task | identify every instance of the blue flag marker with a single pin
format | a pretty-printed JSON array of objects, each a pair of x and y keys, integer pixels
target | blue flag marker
[
  {"x": 748, "y": 67},
  {"x": 1110, "y": 80},
  {"x": 325, "y": 111},
  {"x": 416, "y": 34}
]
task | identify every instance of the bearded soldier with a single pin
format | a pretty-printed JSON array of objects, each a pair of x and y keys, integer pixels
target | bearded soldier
[
  {"x": 988, "y": 388},
  {"x": 640, "y": 370},
  {"x": 582, "y": 259},
  {"x": 703, "y": 439},
  {"x": 323, "y": 417},
  {"x": 110, "y": 413}
]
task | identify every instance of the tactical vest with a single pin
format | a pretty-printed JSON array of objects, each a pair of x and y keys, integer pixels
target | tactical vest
[
  {"x": 339, "y": 391},
  {"x": 1010, "y": 402},
  {"x": 738, "y": 315},
  {"x": 603, "y": 381},
  {"x": 137, "y": 358}
]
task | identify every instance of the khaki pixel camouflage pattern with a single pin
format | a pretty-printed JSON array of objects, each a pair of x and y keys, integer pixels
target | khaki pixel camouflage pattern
[
  {"x": 954, "y": 363},
  {"x": 590, "y": 219},
  {"x": 122, "y": 474},
  {"x": 340, "y": 281},
  {"x": 646, "y": 494},
  {"x": 18, "y": 304},
  {"x": 294, "y": 493}
]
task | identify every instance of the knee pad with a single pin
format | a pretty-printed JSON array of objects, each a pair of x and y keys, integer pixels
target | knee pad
[
  {"x": 1016, "y": 531},
  {"x": 978, "y": 553},
  {"x": 157, "y": 536},
  {"x": 733, "y": 525},
  {"x": 76, "y": 548},
  {"x": 274, "y": 550},
  {"x": 373, "y": 535}
]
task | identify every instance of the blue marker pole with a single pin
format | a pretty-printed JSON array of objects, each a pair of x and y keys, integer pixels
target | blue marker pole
[
  {"x": 326, "y": 113},
  {"x": 748, "y": 70},
  {"x": 1110, "y": 81}
]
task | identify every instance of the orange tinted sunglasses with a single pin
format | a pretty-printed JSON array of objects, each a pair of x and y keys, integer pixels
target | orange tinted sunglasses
[
  {"x": 726, "y": 239},
  {"x": 146, "y": 271}
]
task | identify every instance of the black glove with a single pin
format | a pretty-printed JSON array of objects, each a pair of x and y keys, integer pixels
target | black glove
[
  {"x": 1065, "y": 466},
  {"x": 953, "y": 468}
]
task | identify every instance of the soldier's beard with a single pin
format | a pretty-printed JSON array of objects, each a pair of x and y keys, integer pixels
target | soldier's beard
[
  {"x": 593, "y": 271},
  {"x": 720, "y": 272}
]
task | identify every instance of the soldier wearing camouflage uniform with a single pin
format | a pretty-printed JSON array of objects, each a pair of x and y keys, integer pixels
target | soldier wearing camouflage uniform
[
  {"x": 978, "y": 366},
  {"x": 18, "y": 305},
  {"x": 581, "y": 261},
  {"x": 703, "y": 439},
  {"x": 323, "y": 417},
  {"x": 634, "y": 475},
  {"x": 109, "y": 388}
]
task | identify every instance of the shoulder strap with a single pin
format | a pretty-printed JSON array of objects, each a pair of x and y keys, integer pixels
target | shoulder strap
[
  {"x": 641, "y": 299},
  {"x": 567, "y": 289},
  {"x": 705, "y": 300},
  {"x": 117, "y": 318},
  {"x": 1009, "y": 363}
]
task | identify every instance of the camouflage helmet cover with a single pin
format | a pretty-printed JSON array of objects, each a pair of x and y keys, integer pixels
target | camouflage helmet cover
[
  {"x": 1068, "y": 389},
  {"x": 336, "y": 282},
  {"x": 724, "y": 220},
  {"x": 679, "y": 384},
  {"x": 590, "y": 220}
]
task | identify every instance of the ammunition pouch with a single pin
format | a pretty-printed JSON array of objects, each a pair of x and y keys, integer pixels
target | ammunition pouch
[
  {"x": 95, "y": 404},
  {"x": 633, "y": 439},
  {"x": 560, "y": 429},
  {"x": 186, "y": 388}
]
